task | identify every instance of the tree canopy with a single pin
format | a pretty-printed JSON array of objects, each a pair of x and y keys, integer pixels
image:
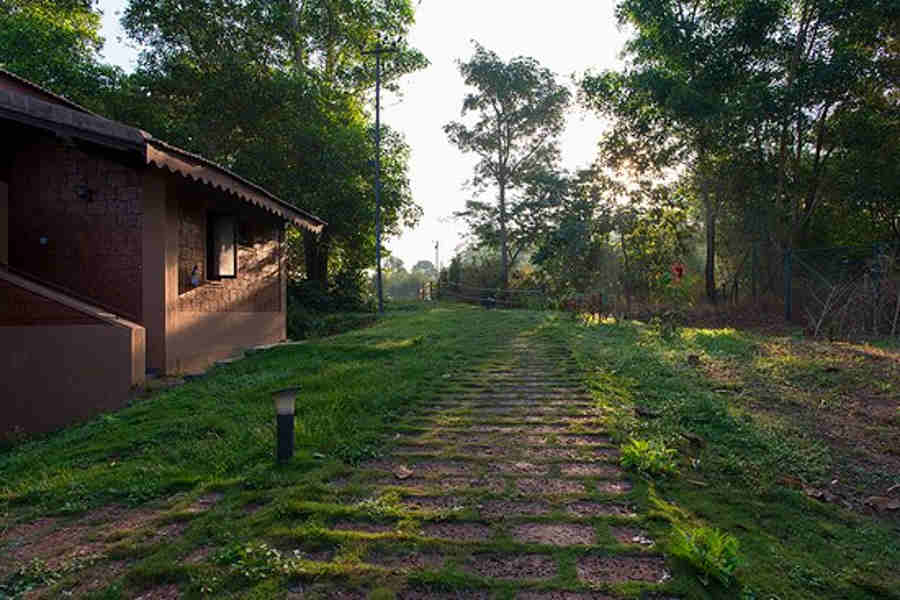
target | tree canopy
[{"x": 519, "y": 113}]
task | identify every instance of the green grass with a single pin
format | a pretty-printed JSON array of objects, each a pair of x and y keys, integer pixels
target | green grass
[
  {"x": 219, "y": 430},
  {"x": 217, "y": 434},
  {"x": 737, "y": 441}
]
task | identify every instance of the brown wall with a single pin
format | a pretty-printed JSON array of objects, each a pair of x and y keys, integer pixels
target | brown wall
[
  {"x": 22, "y": 307},
  {"x": 153, "y": 275},
  {"x": 63, "y": 361},
  {"x": 257, "y": 287},
  {"x": 87, "y": 207},
  {"x": 53, "y": 375},
  {"x": 198, "y": 339},
  {"x": 218, "y": 318}
]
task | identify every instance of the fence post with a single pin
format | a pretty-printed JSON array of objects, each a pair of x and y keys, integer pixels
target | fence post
[{"x": 788, "y": 264}]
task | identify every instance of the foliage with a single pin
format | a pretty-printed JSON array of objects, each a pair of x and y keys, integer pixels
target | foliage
[
  {"x": 712, "y": 552},
  {"x": 519, "y": 109},
  {"x": 56, "y": 45},
  {"x": 651, "y": 457},
  {"x": 277, "y": 93},
  {"x": 766, "y": 108},
  {"x": 748, "y": 421},
  {"x": 316, "y": 310},
  {"x": 402, "y": 285}
]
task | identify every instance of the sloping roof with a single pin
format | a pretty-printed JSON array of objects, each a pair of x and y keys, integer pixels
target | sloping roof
[
  {"x": 42, "y": 92},
  {"x": 66, "y": 118}
]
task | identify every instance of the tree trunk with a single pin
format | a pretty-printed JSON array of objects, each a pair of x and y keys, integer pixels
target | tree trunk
[
  {"x": 504, "y": 257},
  {"x": 315, "y": 254},
  {"x": 710, "y": 247}
]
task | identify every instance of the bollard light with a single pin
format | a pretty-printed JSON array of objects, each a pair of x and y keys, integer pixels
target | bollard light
[{"x": 284, "y": 409}]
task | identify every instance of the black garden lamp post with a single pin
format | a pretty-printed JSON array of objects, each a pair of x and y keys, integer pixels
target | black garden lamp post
[{"x": 284, "y": 408}]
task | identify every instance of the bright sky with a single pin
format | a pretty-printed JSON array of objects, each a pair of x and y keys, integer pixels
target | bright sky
[{"x": 567, "y": 36}]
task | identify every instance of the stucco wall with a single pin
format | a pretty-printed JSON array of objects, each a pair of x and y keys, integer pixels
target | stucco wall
[
  {"x": 53, "y": 376},
  {"x": 198, "y": 339},
  {"x": 63, "y": 361},
  {"x": 75, "y": 219}
]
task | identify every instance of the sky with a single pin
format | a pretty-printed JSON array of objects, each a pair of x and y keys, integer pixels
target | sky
[{"x": 566, "y": 36}]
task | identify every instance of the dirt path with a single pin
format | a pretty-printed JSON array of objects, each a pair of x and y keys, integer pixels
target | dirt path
[{"x": 511, "y": 479}]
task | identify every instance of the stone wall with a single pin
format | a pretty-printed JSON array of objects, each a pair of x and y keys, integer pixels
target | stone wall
[
  {"x": 257, "y": 287},
  {"x": 75, "y": 219}
]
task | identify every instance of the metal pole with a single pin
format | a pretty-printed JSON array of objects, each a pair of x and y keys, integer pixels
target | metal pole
[{"x": 378, "y": 173}]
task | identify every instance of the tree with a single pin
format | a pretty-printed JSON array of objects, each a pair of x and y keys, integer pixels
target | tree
[
  {"x": 57, "y": 45},
  {"x": 687, "y": 92},
  {"x": 276, "y": 91},
  {"x": 753, "y": 98},
  {"x": 520, "y": 111},
  {"x": 425, "y": 268}
]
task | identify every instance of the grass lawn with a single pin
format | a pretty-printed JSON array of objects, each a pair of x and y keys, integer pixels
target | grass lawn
[{"x": 780, "y": 443}]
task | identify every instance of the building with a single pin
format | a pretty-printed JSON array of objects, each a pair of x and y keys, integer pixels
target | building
[{"x": 122, "y": 255}]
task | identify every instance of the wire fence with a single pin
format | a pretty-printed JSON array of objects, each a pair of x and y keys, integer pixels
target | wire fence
[
  {"x": 839, "y": 292},
  {"x": 848, "y": 291}
]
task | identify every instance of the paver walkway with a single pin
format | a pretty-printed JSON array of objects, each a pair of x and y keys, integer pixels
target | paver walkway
[{"x": 508, "y": 481}]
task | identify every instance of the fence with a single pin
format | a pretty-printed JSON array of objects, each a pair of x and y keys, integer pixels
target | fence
[
  {"x": 839, "y": 292},
  {"x": 847, "y": 291},
  {"x": 489, "y": 297}
]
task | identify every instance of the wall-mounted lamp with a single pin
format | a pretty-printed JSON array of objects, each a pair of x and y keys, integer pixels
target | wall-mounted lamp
[
  {"x": 83, "y": 192},
  {"x": 284, "y": 408}
]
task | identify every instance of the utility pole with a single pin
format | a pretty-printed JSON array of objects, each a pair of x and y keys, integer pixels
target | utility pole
[
  {"x": 437, "y": 257},
  {"x": 378, "y": 51}
]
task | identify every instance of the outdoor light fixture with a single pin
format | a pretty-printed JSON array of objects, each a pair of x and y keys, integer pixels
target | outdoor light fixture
[{"x": 284, "y": 409}]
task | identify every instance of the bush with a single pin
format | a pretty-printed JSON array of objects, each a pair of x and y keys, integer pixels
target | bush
[
  {"x": 709, "y": 550},
  {"x": 649, "y": 457},
  {"x": 316, "y": 310}
]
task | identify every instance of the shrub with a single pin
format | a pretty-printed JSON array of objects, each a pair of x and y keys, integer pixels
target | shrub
[
  {"x": 650, "y": 457},
  {"x": 710, "y": 551}
]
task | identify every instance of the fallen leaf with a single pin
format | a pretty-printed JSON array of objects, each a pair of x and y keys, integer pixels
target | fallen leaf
[
  {"x": 403, "y": 472},
  {"x": 318, "y": 455}
]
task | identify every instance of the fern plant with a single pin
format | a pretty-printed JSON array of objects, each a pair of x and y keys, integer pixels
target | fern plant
[
  {"x": 651, "y": 457},
  {"x": 712, "y": 552}
]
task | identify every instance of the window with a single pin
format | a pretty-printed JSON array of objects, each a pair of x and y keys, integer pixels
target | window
[{"x": 221, "y": 246}]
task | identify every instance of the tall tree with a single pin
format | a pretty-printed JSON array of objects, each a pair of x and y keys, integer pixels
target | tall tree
[
  {"x": 56, "y": 44},
  {"x": 753, "y": 98},
  {"x": 519, "y": 113},
  {"x": 278, "y": 91},
  {"x": 686, "y": 95}
]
